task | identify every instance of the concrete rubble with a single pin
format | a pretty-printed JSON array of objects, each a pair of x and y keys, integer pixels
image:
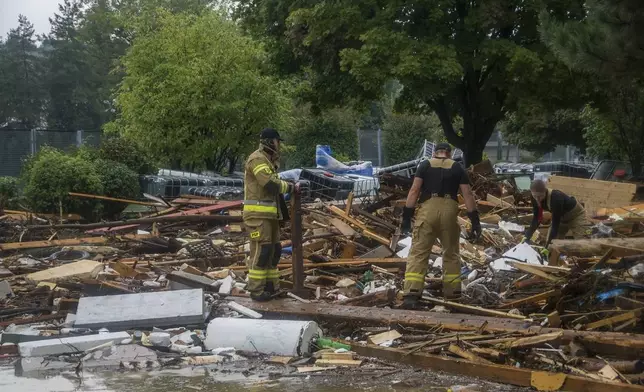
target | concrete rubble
[{"x": 167, "y": 290}]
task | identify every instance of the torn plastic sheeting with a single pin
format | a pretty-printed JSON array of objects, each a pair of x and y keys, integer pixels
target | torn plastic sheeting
[
  {"x": 406, "y": 242},
  {"x": 509, "y": 226},
  {"x": 522, "y": 252}
]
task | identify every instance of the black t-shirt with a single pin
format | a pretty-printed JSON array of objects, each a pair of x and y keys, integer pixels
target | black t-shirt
[
  {"x": 441, "y": 176},
  {"x": 557, "y": 203}
]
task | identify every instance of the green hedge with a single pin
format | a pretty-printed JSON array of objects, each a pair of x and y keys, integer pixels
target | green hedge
[
  {"x": 51, "y": 174},
  {"x": 8, "y": 192}
]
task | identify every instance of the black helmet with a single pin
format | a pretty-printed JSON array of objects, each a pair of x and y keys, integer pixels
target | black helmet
[{"x": 270, "y": 133}]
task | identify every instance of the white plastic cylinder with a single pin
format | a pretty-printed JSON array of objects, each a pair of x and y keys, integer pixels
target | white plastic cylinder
[{"x": 277, "y": 337}]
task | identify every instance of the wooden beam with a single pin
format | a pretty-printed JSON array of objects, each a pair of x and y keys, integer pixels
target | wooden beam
[
  {"x": 347, "y": 210},
  {"x": 359, "y": 224},
  {"x": 141, "y": 203},
  {"x": 531, "y": 299},
  {"x": 337, "y": 263},
  {"x": 473, "y": 309},
  {"x": 73, "y": 241},
  {"x": 533, "y": 269},
  {"x": 595, "y": 247},
  {"x": 535, "y": 340},
  {"x": 454, "y": 349},
  {"x": 382, "y": 316},
  {"x": 629, "y": 346},
  {"x": 142, "y": 221},
  {"x": 612, "y": 320},
  {"x": 492, "y": 372}
]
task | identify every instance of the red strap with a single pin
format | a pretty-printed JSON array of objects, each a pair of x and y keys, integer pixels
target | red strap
[{"x": 540, "y": 214}]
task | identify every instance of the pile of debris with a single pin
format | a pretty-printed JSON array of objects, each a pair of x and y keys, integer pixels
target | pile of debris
[{"x": 163, "y": 289}]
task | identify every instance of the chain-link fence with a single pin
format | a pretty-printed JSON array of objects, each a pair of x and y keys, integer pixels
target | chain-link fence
[
  {"x": 370, "y": 146},
  {"x": 18, "y": 144}
]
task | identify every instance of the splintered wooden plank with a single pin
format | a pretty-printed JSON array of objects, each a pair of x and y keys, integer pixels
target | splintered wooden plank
[
  {"x": 344, "y": 228},
  {"x": 536, "y": 340},
  {"x": 529, "y": 268},
  {"x": 598, "y": 246},
  {"x": 69, "y": 242},
  {"x": 498, "y": 202},
  {"x": 620, "y": 318},
  {"x": 339, "y": 362},
  {"x": 359, "y": 224},
  {"x": 384, "y": 337},
  {"x": 472, "y": 309},
  {"x": 79, "y": 269},
  {"x": 454, "y": 349},
  {"x": 531, "y": 299},
  {"x": 492, "y": 372}
]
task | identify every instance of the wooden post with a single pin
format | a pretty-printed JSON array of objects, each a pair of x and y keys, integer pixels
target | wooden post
[{"x": 296, "y": 239}]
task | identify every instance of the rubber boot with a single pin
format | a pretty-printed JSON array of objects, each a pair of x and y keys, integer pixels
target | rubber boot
[
  {"x": 269, "y": 288},
  {"x": 261, "y": 297},
  {"x": 410, "y": 302}
]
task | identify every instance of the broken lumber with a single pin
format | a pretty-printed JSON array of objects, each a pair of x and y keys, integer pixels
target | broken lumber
[
  {"x": 359, "y": 224},
  {"x": 73, "y": 241},
  {"x": 141, "y": 203},
  {"x": 531, "y": 299},
  {"x": 609, "y": 321},
  {"x": 535, "y": 340},
  {"x": 454, "y": 349},
  {"x": 339, "y": 362},
  {"x": 498, "y": 202},
  {"x": 79, "y": 269},
  {"x": 603, "y": 343},
  {"x": 593, "y": 247},
  {"x": 141, "y": 221},
  {"x": 497, "y": 373},
  {"x": 472, "y": 309}
]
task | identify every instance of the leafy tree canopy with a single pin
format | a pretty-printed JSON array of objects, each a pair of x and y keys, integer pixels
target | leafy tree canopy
[
  {"x": 607, "y": 44},
  {"x": 194, "y": 94},
  {"x": 453, "y": 57}
]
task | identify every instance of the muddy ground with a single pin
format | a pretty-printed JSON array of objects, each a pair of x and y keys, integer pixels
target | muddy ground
[{"x": 252, "y": 375}]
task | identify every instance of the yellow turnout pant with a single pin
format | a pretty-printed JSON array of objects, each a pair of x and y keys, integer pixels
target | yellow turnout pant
[
  {"x": 435, "y": 218},
  {"x": 265, "y": 252}
]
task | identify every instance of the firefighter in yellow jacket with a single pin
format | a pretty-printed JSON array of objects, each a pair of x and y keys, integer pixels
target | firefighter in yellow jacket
[{"x": 263, "y": 209}]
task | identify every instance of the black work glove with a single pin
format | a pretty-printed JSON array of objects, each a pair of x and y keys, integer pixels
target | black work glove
[
  {"x": 405, "y": 227},
  {"x": 476, "y": 225}
]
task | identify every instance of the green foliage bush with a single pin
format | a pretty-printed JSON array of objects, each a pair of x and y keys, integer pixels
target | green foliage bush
[
  {"x": 51, "y": 174},
  {"x": 118, "y": 181},
  {"x": 404, "y": 134},
  {"x": 8, "y": 191},
  {"x": 128, "y": 153}
]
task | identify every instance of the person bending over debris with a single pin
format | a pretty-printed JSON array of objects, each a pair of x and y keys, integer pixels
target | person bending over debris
[
  {"x": 567, "y": 213},
  {"x": 437, "y": 182},
  {"x": 264, "y": 207}
]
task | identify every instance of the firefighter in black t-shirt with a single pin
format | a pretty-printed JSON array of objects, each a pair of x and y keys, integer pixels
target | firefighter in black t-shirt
[
  {"x": 437, "y": 182},
  {"x": 568, "y": 215}
]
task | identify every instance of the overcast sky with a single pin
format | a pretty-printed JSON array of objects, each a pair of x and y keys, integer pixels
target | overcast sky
[{"x": 37, "y": 11}]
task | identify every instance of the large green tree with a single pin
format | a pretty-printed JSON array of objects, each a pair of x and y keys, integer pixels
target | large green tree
[
  {"x": 608, "y": 44},
  {"x": 462, "y": 58},
  {"x": 72, "y": 81},
  {"x": 194, "y": 92},
  {"x": 21, "y": 73}
]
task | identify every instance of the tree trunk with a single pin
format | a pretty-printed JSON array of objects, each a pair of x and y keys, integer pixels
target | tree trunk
[{"x": 473, "y": 136}]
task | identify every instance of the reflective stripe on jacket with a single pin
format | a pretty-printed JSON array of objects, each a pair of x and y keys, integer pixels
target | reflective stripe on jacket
[{"x": 262, "y": 187}]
